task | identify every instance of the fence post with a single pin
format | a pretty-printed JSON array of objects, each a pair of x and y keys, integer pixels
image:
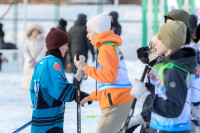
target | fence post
[
  {"x": 192, "y": 7},
  {"x": 99, "y": 7},
  {"x": 15, "y": 25},
  {"x": 56, "y": 11},
  {"x": 180, "y": 2},
  {"x": 144, "y": 22},
  {"x": 166, "y": 7},
  {"x": 155, "y": 10}
]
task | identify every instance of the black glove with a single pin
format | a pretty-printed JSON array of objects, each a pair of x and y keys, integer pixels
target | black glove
[
  {"x": 195, "y": 122},
  {"x": 150, "y": 87},
  {"x": 83, "y": 95},
  {"x": 93, "y": 58},
  {"x": 130, "y": 130},
  {"x": 90, "y": 102},
  {"x": 143, "y": 54}
]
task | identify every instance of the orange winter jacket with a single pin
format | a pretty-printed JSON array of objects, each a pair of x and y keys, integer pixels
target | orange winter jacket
[{"x": 108, "y": 74}]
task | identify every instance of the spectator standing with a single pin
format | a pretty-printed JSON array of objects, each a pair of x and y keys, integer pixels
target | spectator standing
[
  {"x": 1, "y": 40},
  {"x": 115, "y": 26},
  {"x": 35, "y": 49},
  {"x": 79, "y": 44},
  {"x": 62, "y": 25}
]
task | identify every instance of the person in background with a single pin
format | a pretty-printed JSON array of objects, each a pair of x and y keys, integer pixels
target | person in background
[
  {"x": 79, "y": 44},
  {"x": 195, "y": 86},
  {"x": 62, "y": 25},
  {"x": 1, "y": 35},
  {"x": 115, "y": 26},
  {"x": 193, "y": 26},
  {"x": 35, "y": 49},
  {"x": 111, "y": 74},
  {"x": 1, "y": 41}
]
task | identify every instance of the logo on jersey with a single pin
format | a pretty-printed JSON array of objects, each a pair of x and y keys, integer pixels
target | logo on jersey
[
  {"x": 197, "y": 71},
  {"x": 121, "y": 55},
  {"x": 98, "y": 63},
  {"x": 151, "y": 75},
  {"x": 158, "y": 81},
  {"x": 57, "y": 66}
]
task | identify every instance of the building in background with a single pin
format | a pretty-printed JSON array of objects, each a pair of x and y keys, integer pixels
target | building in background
[{"x": 138, "y": 2}]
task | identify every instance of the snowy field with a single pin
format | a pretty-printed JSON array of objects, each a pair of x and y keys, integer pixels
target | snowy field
[{"x": 15, "y": 102}]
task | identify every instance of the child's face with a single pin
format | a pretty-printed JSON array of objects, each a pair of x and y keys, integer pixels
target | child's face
[
  {"x": 63, "y": 49},
  {"x": 35, "y": 33},
  {"x": 91, "y": 35},
  {"x": 161, "y": 48}
]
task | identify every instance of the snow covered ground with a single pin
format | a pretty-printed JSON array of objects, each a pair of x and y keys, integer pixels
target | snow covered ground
[{"x": 15, "y": 102}]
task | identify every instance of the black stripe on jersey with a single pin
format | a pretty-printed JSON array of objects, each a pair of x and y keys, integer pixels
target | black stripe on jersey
[
  {"x": 69, "y": 89},
  {"x": 60, "y": 115},
  {"x": 52, "y": 121},
  {"x": 64, "y": 79},
  {"x": 66, "y": 89},
  {"x": 48, "y": 124},
  {"x": 72, "y": 97}
]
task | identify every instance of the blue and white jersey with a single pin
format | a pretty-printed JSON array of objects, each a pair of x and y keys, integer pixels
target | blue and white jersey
[
  {"x": 154, "y": 72},
  {"x": 49, "y": 91},
  {"x": 122, "y": 80},
  {"x": 195, "y": 80},
  {"x": 182, "y": 122}
]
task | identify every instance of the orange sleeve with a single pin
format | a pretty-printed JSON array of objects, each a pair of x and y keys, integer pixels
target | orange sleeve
[
  {"x": 109, "y": 61},
  {"x": 93, "y": 96}
]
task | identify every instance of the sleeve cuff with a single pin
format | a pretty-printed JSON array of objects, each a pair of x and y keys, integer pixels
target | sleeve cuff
[
  {"x": 143, "y": 97},
  {"x": 90, "y": 98},
  {"x": 86, "y": 70}
]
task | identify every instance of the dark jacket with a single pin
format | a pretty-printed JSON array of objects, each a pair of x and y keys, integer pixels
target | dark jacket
[
  {"x": 1, "y": 36},
  {"x": 79, "y": 43},
  {"x": 115, "y": 25},
  {"x": 62, "y": 25},
  {"x": 193, "y": 26},
  {"x": 176, "y": 97}
]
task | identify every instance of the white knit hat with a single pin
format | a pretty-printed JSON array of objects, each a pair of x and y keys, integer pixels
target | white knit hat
[{"x": 99, "y": 23}]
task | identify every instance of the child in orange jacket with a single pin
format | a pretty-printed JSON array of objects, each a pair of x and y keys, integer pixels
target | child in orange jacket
[{"x": 113, "y": 83}]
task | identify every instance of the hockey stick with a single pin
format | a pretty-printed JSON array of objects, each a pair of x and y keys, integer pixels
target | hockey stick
[
  {"x": 96, "y": 67},
  {"x": 124, "y": 129},
  {"x": 22, "y": 127},
  {"x": 78, "y": 103}
]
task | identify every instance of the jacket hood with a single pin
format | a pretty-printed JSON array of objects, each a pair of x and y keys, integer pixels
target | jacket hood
[
  {"x": 31, "y": 28},
  {"x": 81, "y": 20},
  {"x": 193, "y": 21},
  {"x": 114, "y": 15},
  {"x": 107, "y": 36},
  {"x": 179, "y": 15},
  {"x": 185, "y": 58}
]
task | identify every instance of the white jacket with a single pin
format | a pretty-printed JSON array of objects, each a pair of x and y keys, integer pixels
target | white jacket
[{"x": 35, "y": 49}]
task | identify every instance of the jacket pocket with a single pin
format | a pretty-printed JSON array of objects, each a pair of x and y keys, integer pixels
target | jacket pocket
[{"x": 109, "y": 99}]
